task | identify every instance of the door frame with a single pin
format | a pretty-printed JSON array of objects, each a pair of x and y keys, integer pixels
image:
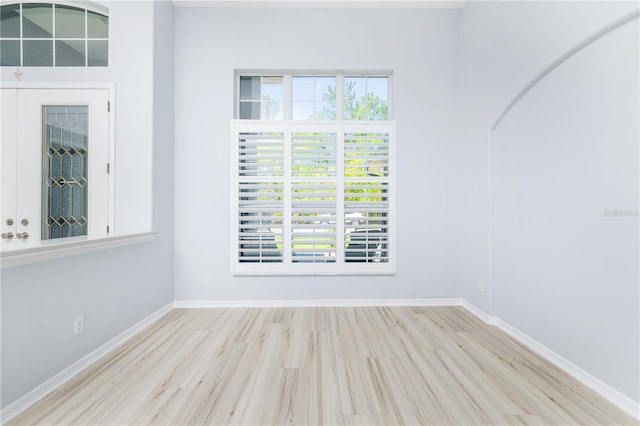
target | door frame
[{"x": 110, "y": 90}]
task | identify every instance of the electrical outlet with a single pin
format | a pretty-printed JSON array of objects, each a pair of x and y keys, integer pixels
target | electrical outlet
[
  {"x": 210, "y": 279},
  {"x": 78, "y": 325},
  {"x": 481, "y": 286}
]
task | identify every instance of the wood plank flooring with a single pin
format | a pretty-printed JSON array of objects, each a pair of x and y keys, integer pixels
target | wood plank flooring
[{"x": 330, "y": 366}]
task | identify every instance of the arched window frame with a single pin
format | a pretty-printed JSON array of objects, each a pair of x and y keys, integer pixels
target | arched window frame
[{"x": 54, "y": 49}]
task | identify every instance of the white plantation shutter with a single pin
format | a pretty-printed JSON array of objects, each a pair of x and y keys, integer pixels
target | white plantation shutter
[
  {"x": 366, "y": 196},
  {"x": 260, "y": 200},
  {"x": 313, "y": 197}
]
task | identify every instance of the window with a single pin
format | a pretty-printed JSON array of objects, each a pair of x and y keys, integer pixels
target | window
[
  {"x": 314, "y": 174},
  {"x": 312, "y": 96},
  {"x": 313, "y": 197},
  {"x": 46, "y": 34},
  {"x": 55, "y": 151}
]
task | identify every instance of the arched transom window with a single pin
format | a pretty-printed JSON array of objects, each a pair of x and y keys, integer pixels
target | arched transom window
[{"x": 53, "y": 34}]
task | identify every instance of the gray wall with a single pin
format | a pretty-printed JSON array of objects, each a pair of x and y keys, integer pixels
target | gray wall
[
  {"x": 420, "y": 46},
  {"x": 563, "y": 272},
  {"x": 113, "y": 289}
]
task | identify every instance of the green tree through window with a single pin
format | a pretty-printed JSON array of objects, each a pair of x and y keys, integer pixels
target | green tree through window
[{"x": 369, "y": 107}]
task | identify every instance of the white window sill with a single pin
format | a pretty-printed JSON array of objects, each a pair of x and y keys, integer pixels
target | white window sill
[{"x": 41, "y": 251}]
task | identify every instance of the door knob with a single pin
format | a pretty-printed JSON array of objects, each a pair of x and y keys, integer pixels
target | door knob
[
  {"x": 22, "y": 235},
  {"x": 7, "y": 235}
]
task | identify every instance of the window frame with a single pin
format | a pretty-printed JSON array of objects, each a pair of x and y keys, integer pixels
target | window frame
[
  {"x": 341, "y": 266},
  {"x": 86, "y": 8},
  {"x": 288, "y": 76}
]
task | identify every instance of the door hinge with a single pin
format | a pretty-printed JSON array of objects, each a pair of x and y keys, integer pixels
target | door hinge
[
  {"x": 107, "y": 229},
  {"x": 108, "y": 168},
  {"x": 108, "y": 106}
]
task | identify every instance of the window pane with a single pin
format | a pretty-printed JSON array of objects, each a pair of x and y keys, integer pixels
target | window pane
[
  {"x": 70, "y": 53},
  {"x": 272, "y": 98},
  {"x": 272, "y": 88},
  {"x": 355, "y": 87},
  {"x": 271, "y": 110},
  {"x": 303, "y": 88},
  {"x": 69, "y": 22},
  {"x": 10, "y": 21},
  {"x": 314, "y": 98},
  {"x": 366, "y": 98},
  {"x": 65, "y": 174},
  {"x": 302, "y": 110},
  {"x": 325, "y": 89},
  {"x": 97, "y": 25},
  {"x": 37, "y": 21},
  {"x": 250, "y": 110},
  {"x": 37, "y": 53},
  {"x": 379, "y": 87},
  {"x": 250, "y": 88},
  {"x": 98, "y": 53},
  {"x": 10, "y": 53},
  {"x": 314, "y": 89}
]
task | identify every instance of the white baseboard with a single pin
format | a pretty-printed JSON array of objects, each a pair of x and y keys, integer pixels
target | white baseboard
[
  {"x": 313, "y": 303},
  {"x": 479, "y": 313},
  {"x": 618, "y": 399},
  {"x": 26, "y": 401}
]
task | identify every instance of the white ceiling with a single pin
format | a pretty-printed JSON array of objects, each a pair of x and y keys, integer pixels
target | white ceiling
[{"x": 420, "y": 4}]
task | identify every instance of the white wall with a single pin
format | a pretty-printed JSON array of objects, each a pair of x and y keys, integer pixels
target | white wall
[
  {"x": 563, "y": 272},
  {"x": 487, "y": 53},
  {"x": 130, "y": 68},
  {"x": 420, "y": 46},
  {"x": 113, "y": 289}
]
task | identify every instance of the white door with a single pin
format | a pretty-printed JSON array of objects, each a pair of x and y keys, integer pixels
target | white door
[
  {"x": 8, "y": 137},
  {"x": 61, "y": 146}
]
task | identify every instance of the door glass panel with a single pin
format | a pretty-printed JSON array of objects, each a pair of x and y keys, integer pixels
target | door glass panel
[
  {"x": 70, "y": 53},
  {"x": 65, "y": 165},
  {"x": 97, "y": 25},
  {"x": 69, "y": 22},
  {"x": 37, "y": 20},
  {"x": 37, "y": 53},
  {"x": 10, "y": 21},
  {"x": 97, "y": 53},
  {"x": 9, "y": 53}
]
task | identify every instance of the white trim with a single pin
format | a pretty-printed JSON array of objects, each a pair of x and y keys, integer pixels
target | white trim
[
  {"x": 313, "y": 303},
  {"x": 26, "y": 401},
  {"x": 612, "y": 395},
  {"x": 73, "y": 246},
  {"x": 478, "y": 313}
]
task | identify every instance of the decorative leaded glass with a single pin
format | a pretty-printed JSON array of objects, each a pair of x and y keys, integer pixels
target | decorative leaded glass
[{"x": 65, "y": 166}]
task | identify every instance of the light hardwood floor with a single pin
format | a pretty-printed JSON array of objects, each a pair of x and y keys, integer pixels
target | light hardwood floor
[{"x": 332, "y": 366}]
